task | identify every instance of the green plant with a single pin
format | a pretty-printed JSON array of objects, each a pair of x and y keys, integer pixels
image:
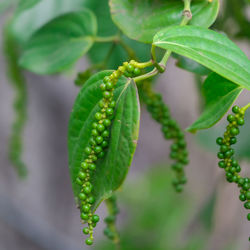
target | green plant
[{"x": 104, "y": 124}]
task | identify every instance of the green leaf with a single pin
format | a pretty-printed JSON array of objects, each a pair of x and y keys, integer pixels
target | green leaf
[
  {"x": 190, "y": 65},
  {"x": 209, "y": 48},
  {"x": 112, "y": 169},
  {"x": 219, "y": 95},
  {"x": 51, "y": 49},
  {"x": 28, "y": 21},
  {"x": 141, "y": 20},
  {"x": 99, "y": 52}
]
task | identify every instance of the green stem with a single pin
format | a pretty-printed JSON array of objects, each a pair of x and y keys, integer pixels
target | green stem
[
  {"x": 107, "y": 39},
  {"x": 160, "y": 67},
  {"x": 246, "y": 107}
]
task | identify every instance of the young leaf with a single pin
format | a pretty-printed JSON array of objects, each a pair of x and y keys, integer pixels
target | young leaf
[
  {"x": 209, "y": 48},
  {"x": 141, "y": 20},
  {"x": 190, "y": 65},
  {"x": 112, "y": 169},
  {"x": 219, "y": 95},
  {"x": 51, "y": 49}
]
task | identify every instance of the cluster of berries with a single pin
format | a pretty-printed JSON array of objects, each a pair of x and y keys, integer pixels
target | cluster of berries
[
  {"x": 226, "y": 155},
  {"x": 98, "y": 143},
  {"x": 171, "y": 131}
]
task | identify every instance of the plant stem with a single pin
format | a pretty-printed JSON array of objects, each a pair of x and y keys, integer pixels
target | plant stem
[
  {"x": 107, "y": 39},
  {"x": 160, "y": 67},
  {"x": 246, "y": 107}
]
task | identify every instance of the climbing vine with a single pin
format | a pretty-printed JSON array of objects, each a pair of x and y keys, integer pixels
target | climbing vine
[{"x": 127, "y": 53}]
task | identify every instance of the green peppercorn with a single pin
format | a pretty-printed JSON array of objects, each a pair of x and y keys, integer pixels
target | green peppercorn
[
  {"x": 242, "y": 197},
  {"x": 92, "y": 166},
  {"x": 105, "y": 133},
  {"x": 84, "y": 165},
  {"x": 137, "y": 71},
  {"x": 84, "y": 216},
  {"x": 87, "y": 190},
  {"x": 98, "y": 116},
  {"x": 106, "y": 79},
  {"x": 99, "y": 139},
  {"x": 222, "y": 164},
  {"x": 109, "y": 111},
  {"x": 85, "y": 230},
  {"x": 95, "y": 218},
  {"x": 100, "y": 127},
  {"x": 88, "y": 241},
  {"x": 106, "y": 94},
  {"x": 82, "y": 175},
  {"x": 230, "y": 118},
  {"x": 94, "y": 132},
  {"x": 91, "y": 199},
  {"x": 248, "y": 216},
  {"x": 248, "y": 195},
  {"x": 220, "y": 155},
  {"x": 103, "y": 86},
  {"x": 82, "y": 196},
  {"x": 235, "y": 109},
  {"x": 107, "y": 122},
  {"x": 130, "y": 68},
  {"x": 223, "y": 148},
  {"x": 112, "y": 104},
  {"x": 98, "y": 149},
  {"x": 109, "y": 85},
  {"x": 86, "y": 208},
  {"x": 240, "y": 121},
  {"x": 219, "y": 140},
  {"x": 247, "y": 205},
  {"x": 87, "y": 150},
  {"x": 234, "y": 131}
]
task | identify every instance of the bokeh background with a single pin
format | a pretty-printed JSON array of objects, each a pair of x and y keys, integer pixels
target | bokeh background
[{"x": 39, "y": 212}]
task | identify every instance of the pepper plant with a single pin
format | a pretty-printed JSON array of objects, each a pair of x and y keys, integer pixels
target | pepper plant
[{"x": 128, "y": 43}]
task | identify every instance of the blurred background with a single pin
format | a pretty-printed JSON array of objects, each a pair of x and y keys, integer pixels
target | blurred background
[{"x": 39, "y": 212}]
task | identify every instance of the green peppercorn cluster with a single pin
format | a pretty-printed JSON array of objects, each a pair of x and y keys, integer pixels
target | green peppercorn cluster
[
  {"x": 171, "y": 130},
  {"x": 98, "y": 143},
  {"x": 110, "y": 220},
  {"x": 226, "y": 155}
]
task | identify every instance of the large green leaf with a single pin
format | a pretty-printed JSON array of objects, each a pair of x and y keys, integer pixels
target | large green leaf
[
  {"x": 28, "y": 21},
  {"x": 59, "y": 43},
  {"x": 219, "y": 95},
  {"x": 112, "y": 169},
  {"x": 141, "y": 20},
  {"x": 209, "y": 48}
]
